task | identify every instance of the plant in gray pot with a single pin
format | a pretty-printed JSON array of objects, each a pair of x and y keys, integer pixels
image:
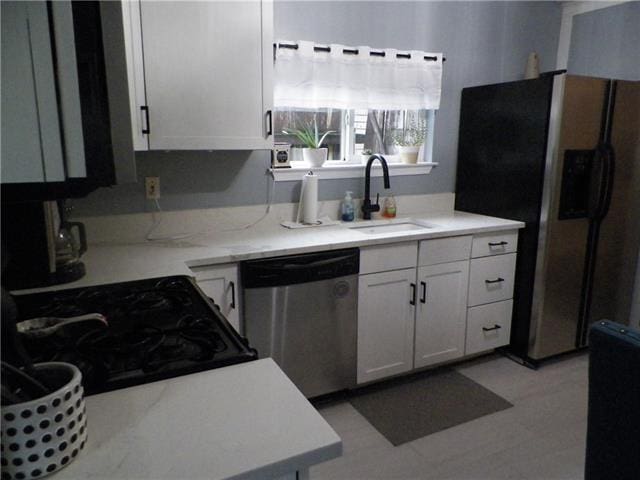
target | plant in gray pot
[{"x": 313, "y": 153}]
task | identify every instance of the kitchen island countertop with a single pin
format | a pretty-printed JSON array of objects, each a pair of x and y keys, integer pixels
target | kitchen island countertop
[{"x": 245, "y": 421}]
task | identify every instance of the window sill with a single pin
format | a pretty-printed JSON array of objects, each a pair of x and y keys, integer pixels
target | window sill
[{"x": 350, "y": 170}]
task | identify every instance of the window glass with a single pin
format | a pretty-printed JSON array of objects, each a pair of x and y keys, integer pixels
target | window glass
[
  {"x": 356, "y": 131},
  {"x": 327, "y": 119}
]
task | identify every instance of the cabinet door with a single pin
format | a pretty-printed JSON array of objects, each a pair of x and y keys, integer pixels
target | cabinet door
[
  {"x": 31, "y": 142},
  {"x": 441, "y": 315},
  {"x": 221, "y": 284},
  {"x": 386, "y": 312},
  {"x": 207, "y": 74}
]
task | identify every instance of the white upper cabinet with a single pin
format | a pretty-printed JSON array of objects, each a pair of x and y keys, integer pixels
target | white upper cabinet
[
  {"x": 31, "y": 140},
  {"x": 200, "y": 74}
]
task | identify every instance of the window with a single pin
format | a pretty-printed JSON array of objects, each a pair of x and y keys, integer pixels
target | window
[{"x": 356, "y": 131}]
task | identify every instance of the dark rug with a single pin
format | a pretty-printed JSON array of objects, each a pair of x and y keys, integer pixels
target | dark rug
[{"x": 409, "y": 408}]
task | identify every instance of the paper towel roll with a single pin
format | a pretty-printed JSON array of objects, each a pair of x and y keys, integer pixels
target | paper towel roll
[{"x": 309, "y": 198}]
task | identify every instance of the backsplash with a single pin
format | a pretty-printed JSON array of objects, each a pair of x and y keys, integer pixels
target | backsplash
[
  {"x": 199, "y": 179},
  {"x": 133, "y": 228}
]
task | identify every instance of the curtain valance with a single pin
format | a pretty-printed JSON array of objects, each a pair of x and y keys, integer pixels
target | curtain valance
[{"x": 338, "y": 76}]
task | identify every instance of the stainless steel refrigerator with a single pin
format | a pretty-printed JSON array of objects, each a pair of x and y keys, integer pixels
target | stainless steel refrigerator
[{"x": 562, "y": 154}]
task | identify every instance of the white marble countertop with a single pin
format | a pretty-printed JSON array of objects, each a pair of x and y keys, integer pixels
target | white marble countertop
[
  {"x": 117, "y": 262},
  {"x": 245, "y": 421}
]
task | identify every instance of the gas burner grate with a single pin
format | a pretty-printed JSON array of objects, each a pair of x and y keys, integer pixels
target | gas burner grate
[{"x": 158, "y": 328}]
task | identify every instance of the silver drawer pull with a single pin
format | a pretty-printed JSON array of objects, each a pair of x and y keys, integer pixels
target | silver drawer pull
[
  {"x": 495, "y": 327},
  {"x": 498, "y": 244},
  {"x": 497, "y": 280}
]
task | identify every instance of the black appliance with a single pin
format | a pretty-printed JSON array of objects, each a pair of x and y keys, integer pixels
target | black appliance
[
  {"x": 158, "y": 328},
  {"x": 561, "y": 154},
  {"x": 39, "y": 246}
]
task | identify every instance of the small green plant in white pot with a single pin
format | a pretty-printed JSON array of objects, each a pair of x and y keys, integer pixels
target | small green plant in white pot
[
  {"x": 313, "y": 154},
  {"x": 409, "y": 140},
  {"x": 365, "y": 154}
]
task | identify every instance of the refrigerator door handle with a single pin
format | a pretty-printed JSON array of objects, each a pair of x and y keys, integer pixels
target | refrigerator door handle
[
  {"x": 598, "y": 182},
  {"x": 609, "y": 172}
]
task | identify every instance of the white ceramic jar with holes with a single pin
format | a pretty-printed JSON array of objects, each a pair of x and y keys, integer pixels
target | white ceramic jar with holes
[{"x": 42, "y": 436}]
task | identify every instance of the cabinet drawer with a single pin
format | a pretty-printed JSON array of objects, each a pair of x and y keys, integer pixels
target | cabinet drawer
[
  {"x": 444, "y": 250},
  {"x": 383, "y": 258},
  {"x": 488, "y": 326},
  {"x": 494, "y": 243},
  {"x": 491, "y": 279}
]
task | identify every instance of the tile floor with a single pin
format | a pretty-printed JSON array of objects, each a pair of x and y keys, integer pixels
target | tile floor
[{"x": 541, "y": 437}]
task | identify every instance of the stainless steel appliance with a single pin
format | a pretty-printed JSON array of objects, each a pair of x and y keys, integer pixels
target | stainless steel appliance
[
  {"x": 301, "y": 310},
  {"x": 562, "y": 154}
]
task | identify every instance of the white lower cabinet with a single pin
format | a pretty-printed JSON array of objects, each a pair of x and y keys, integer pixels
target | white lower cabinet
[
  {"x": 220, "y": 283},
  {"x": 488, "y": 326},
  {"x": 491, "y": 279},
  {"x": 448, "y": 305},
  {"x": 386, "y": 312},
  {"x": 441, "y": 315}
]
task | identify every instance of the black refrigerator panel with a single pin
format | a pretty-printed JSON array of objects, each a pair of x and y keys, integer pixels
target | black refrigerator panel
[
  {"x": 501, "y": 161},
  {"x": 501, "y": 148}
]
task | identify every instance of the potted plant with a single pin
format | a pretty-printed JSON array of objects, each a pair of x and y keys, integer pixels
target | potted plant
[
  {"x": 313, "y": 154},
  {"x": 409, "y": 141},
  {"x": 365, "y": 154}
]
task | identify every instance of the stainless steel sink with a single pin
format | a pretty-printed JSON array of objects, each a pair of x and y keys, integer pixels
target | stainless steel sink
[{"x": 396, "y": 227}]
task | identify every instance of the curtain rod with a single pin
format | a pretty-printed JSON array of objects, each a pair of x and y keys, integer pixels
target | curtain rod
[{"x": 354, "y": 51}]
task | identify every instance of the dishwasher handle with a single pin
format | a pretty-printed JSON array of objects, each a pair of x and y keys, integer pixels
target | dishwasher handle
[{"x": 304, "y": 268}]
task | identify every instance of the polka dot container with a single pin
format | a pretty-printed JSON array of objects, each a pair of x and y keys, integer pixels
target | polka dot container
[{"x": 42, "y": 436}]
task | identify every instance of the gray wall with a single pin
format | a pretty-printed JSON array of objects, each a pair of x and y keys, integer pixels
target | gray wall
[
  {"x": 606, "y": 43},
  {"x": 484, "y": 42}
]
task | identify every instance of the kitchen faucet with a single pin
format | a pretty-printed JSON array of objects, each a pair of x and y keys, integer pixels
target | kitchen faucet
[{"x": 367, "y": 208}]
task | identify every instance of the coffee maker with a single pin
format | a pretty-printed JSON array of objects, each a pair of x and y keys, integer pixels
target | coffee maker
[{"x": 40, "y": 247}]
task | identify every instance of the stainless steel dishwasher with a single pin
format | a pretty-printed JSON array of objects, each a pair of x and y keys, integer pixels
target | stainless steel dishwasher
[{"x": 301, "y": 310}]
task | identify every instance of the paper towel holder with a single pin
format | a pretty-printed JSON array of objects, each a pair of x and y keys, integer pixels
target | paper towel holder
[{"x": 308, "y": 204}]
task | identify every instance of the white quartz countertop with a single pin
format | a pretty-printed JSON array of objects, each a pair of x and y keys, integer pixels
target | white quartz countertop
[
  {"x": 117, "y": 262},
  {"x": 245, "y": 421}
]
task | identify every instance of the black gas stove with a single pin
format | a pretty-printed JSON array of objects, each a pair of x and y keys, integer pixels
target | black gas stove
[{"x": 158, "y": 328}]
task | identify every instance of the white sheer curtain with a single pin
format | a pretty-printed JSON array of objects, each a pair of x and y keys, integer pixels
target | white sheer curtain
[{"x": 305, "y": 78}]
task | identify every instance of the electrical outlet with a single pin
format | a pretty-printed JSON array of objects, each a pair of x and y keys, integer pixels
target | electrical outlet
[{"x": 152, "y": 187}]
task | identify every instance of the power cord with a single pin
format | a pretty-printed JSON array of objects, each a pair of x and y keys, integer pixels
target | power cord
[{"x": 150, "y": 238}]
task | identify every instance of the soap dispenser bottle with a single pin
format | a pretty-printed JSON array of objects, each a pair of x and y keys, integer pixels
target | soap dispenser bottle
[
  {"x": 347, "y": 209},
  {"x": 389, "y": 208}
]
